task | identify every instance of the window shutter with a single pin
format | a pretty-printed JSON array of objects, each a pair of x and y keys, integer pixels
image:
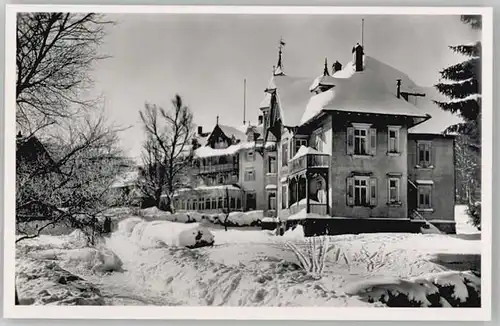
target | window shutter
[
  {"x": 350, "y": 140},
  {"x": 373, "y": 192},
  {"x": 373, "y": 141},
  {"x": 429, "y": 148},
  {"x": 350, "y": 192}
]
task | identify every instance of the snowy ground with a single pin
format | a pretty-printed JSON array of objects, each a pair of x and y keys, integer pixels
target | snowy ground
[{"x": 142, "y": 264}]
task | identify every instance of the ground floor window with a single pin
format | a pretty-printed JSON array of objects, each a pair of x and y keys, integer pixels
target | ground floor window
[
  {"x": 393, "y": 190},
  {"x": 251, "y": 201},
  {"x": 424, "y": 197},
  {"x": 271, "y": 200},
  {"x": 361, "y": 191}
]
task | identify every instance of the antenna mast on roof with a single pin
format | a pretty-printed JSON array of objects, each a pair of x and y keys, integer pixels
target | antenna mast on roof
[
  {"x": 362, "y": 31},
  {"x": 244, "y": 99}
]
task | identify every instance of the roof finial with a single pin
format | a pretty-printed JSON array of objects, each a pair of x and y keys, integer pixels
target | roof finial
[
  {"x": 325, "y": 71},
  {"x": 217, "y": 122},
  {"x": 279, "y": 66}
]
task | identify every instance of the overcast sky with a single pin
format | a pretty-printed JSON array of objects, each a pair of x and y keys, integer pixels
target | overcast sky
[{"x": 205, "y": 58}]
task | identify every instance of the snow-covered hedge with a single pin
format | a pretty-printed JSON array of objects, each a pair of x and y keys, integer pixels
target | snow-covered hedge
[
  {"x": 444, "y": 289},
  {"x": 42, "y": 283},
  {"x": 238, "y": 219}
]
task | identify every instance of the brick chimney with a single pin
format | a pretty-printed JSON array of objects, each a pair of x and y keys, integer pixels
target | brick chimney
[
  {"x": 261, "y": 117},
  {"x": 398, "y": 90},
  {"x": 358, "y": 54},
  {"x": 200, "y": 130}
]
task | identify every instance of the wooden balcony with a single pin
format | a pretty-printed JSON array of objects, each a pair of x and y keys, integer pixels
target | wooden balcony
[
  {"x": 218, "y": 168},
  {"x": 309, "y": 161}
]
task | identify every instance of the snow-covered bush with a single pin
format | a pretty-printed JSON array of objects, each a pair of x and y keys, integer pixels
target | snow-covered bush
[
  {"x": 97, "y": 260},
  {"x": 196, "y": 237},
  {"x": 474, "y": 212},
  {"x": 445, "y": 289}
]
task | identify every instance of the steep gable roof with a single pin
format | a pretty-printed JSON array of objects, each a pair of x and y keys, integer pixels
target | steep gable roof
[{"x": 292, "y": 95}]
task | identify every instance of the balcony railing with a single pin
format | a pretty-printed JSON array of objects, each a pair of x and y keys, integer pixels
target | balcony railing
[
  {"x": 309, "y": 161},
  {"x": 218, "y": 168},
  {"x": 315, "y": 208}
]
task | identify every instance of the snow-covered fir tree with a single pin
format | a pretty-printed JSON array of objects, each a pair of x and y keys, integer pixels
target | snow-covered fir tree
[{"x": 461, "y": 83}]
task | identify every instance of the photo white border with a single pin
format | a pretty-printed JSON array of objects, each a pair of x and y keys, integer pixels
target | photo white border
[{"x": 247, "y": 313}]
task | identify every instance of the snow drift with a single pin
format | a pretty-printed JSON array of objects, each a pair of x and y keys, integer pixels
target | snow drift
[{"x": 45, "y": 283}]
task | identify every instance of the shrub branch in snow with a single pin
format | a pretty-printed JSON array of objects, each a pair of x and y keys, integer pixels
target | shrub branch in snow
[{"x": 312, "y": 255}]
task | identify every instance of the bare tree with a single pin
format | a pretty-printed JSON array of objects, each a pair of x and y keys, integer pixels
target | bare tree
[
  {"x": 70, "y": 186},
  {"x": 167, "y": 154},
  {"x": 54, "y": 55}
]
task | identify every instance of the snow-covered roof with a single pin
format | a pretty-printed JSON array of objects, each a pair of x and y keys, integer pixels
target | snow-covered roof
[
  {"x": 293, "y": 95},
  {"x": 424, "y": 182},
  {"x": 365, "y": 92},
  {"x": 440, "y": 120},
  {"x": 207, "y": 151},
  {"x": 271, "y": 187},
  {"x": 303, "y": 151},
  {"x": 232, "y": 131},
  {"x": 126, "y": 179},
  {"x": 266, "y": 102},
  {"x": 322, "y": 81}
]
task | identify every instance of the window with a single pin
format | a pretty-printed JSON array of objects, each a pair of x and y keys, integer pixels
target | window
[
  {"x": 251, "y": 201},
  {"x": 201, "y": 204},
  {"x": 238, "y": 203},
  {"x": 220, "y": 203},
  {"x": 234, "y": 177},
  {"x": 298, "y": 143},
  {"x": 361, "y": 139},
  {"x": 214, "y": 203},
  {"x": 250, "y": 175},
  {"x": 284, "y": 153},
  {"x": 250, "y": 156},
  {"x": 207, "y": 203},
  {"x": 318, "y": 140},
  {"x": 271, "y": 166},
  {"x": 361, "y": 191},
  {"x": 424, "y": 154},
  {"x": 233, "y": 202},
  {"x": 424, "y": 197},
  {"x": 393, "y": 190},
  {"x": 283, "y": 196},
  {"x": 222, "y": 179},
  {"x": 272, "y": 200},
  {"x": 393, "y": 136}
]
